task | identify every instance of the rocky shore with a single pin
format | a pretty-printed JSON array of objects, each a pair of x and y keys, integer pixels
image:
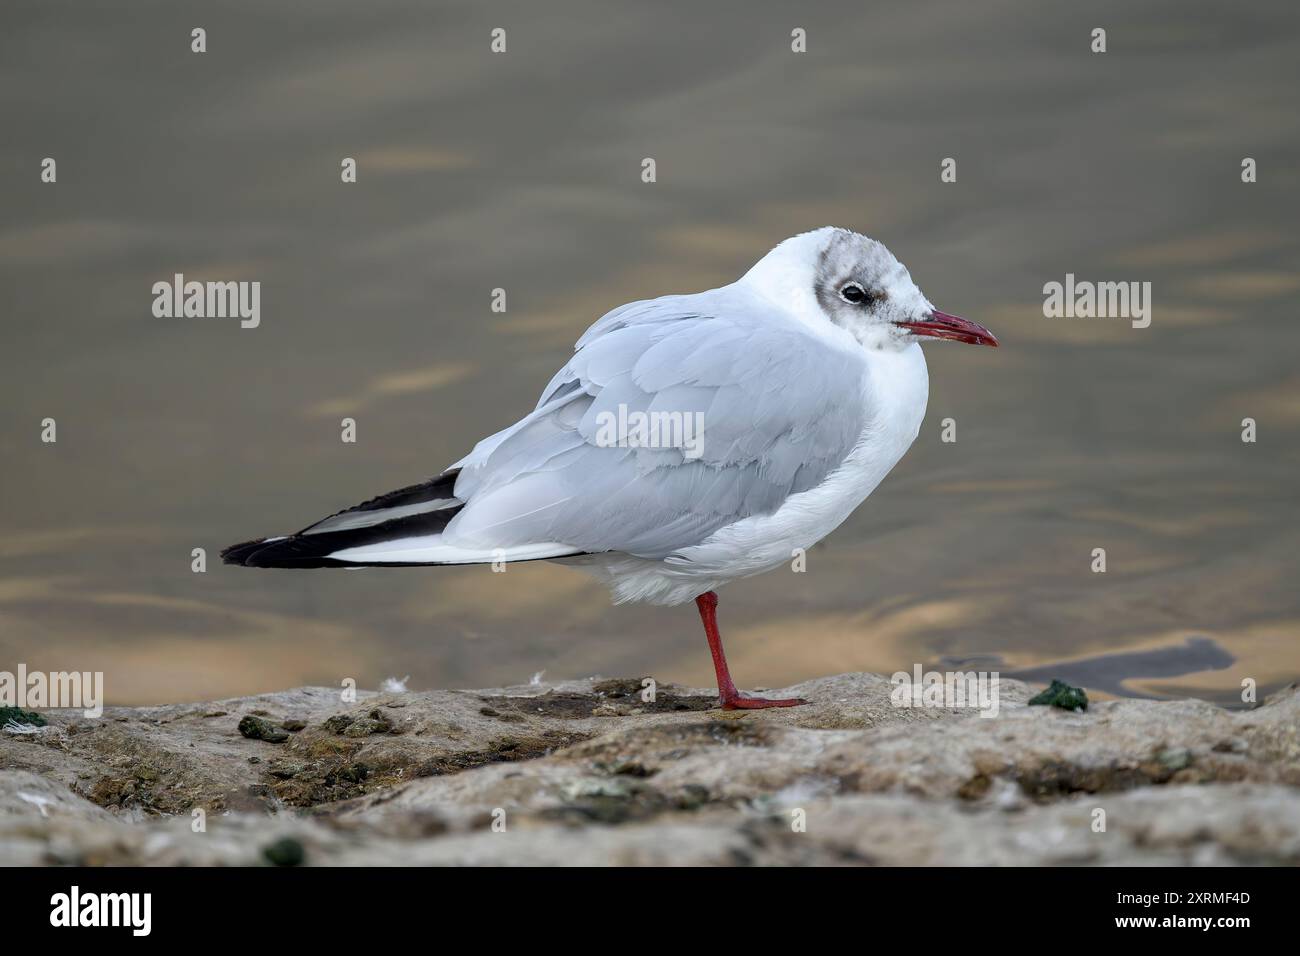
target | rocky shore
[{"x": 587, "y": 772}]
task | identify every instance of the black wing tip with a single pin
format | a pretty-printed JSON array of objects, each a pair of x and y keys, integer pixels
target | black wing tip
[
  {"x": 440, "y": 486},
  {"x": 239, "y": 554},
  {"x": 308, "y": 549},
  {"x": 290, "y": 552}
]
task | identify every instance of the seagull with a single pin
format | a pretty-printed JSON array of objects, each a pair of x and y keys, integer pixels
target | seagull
[{"x": 690, "y": 440}]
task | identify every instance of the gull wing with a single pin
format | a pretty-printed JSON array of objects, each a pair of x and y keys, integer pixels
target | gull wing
[{"x": 778, "y": 409}]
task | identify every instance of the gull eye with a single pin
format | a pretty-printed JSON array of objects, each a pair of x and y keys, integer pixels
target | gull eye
[{"x": 854, "y": 293}]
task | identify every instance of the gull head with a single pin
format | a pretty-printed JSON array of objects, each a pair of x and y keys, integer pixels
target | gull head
[{"x": 854, "y": 282}]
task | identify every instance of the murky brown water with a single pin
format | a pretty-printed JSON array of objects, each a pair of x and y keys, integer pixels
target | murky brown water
[{"x": 522, "y": 171}]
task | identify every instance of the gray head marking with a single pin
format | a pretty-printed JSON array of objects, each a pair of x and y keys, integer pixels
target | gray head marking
[{"x": 862, "y": 288}]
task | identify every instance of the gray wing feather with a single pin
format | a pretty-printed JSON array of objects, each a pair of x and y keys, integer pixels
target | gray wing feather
[{"x": 781, "y": 410}]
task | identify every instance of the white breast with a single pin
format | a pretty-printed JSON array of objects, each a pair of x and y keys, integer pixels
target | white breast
[{"x": 895, "y": 394}]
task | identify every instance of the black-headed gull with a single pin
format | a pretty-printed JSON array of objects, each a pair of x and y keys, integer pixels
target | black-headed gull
[{"x": 690, "y": 440}]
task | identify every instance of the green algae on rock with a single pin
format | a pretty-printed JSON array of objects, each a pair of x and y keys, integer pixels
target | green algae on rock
[
  {"x": 285, "y": 851},
  {"x": 255, "y": 728},
  {"x": 21, "y": 716},
  {"x": 1060, "y": 694}
]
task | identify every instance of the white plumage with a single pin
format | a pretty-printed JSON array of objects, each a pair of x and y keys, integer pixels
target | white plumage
[{"x": 805, "y": 375}]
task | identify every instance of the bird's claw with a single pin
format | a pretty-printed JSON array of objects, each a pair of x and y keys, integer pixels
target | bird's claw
[{"x": 741, "y": 702}]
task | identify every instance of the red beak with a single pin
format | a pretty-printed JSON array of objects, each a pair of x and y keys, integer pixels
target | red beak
[{"x": 941, "y": 325}]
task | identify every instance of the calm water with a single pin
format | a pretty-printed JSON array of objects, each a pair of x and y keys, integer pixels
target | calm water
[{"x": 521, "y": 171}]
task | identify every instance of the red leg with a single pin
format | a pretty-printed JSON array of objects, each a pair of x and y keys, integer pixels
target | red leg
[{"x": 730, "y": 698}]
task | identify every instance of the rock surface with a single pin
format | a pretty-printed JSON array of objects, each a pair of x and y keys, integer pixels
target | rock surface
[{"x": 586, "y": 772}]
